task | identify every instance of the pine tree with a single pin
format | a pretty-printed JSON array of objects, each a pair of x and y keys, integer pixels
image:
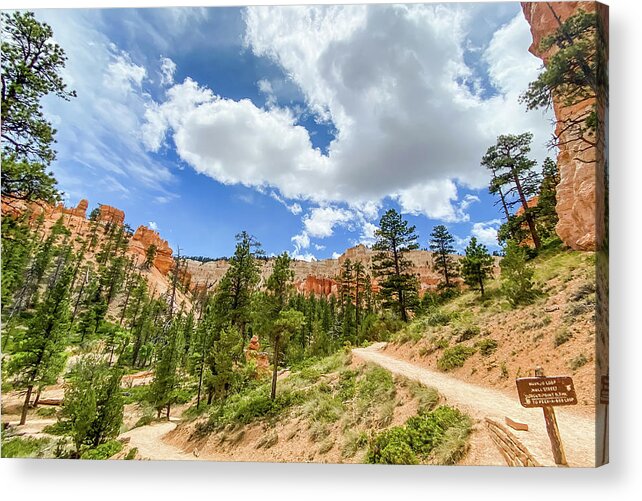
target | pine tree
[
  {"x": 476, "y": 265},
  {"x": 441, "y": 243},
  {"x": 547, "y": 201},
  {"x": 517, "y": 276},
  {"x": 513, "y": 174},
  {"x": 221, "y": 377},
  {"x": 150, "y": 255},
  {"x": 39, "y": 354},
  {"x": 31, "y": 67},
  {"x": 162, "y": 391},
  {"x": 286, "y": 324},
  {"x": 235, "y": 290},
  {"x": 93, "y": 402},
  {"x": 398, "y": 287}
]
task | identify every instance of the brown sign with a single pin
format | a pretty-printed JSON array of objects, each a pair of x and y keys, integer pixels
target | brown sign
[
  {"x": 546, "y": 391},
  {"x": 604, "y": 390}
]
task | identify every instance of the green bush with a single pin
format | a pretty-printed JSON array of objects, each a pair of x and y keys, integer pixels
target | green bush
[
  {"x": 103, "y": 451},
  {"x": 58, "y": 428},
  {"x": 46, "y": 411},
  {"x": 427, "y": 398},
  {"x": 354, "y": 441},
  {"x": 578, "y": 362},
  {"x": 465, "y": 331},
  {"x": 454, "y": 357},
  {"x": 131, "y": 454},
  {"x": 562, "y": 336},
  {"x": 144, "y": 420},
  {"x": 417, "y": 439},
  {"x": 486, "y": 347},
  {"x": 19, "y": 447}
]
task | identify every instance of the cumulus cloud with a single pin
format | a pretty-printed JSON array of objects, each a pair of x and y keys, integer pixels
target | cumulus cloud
[
  {"x": 153, "y": 225},
  {"x": 321, "y": 221},
  {"x": 167, "y": 68},
  {"x": 486, "y": 232}
]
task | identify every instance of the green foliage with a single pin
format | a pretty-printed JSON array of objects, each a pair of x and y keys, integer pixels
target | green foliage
[
  {"x": 163, "y": 389},
  {"x": 515, "y": 182},
  {"x": 576, "y": 71},
  {"x": 93, "y": 402},
  {"x": 517, "y": 276},
  {"x": 427, "y": 397},
  {"x": 562, "y": 336},
  {"x": 103, "y": 451},
  {"x": 441, "y": 243},
  {"x": 420, "y": 436},
  {"x": 27, "y": 447},
  {"x": 486, "y": 347},
  {"x": 578, "y": 361},
  {"x": 477, "y": 265},
  {"x": 131, "y": 454},
  {"x": 463, "y": 331},
  {"x": 221, "y": 377},
  {"x": 353, "y": 442},
  {"x": 31, "y": 67},
  {"x": 454, "y": 357},
  {"x": 398, "y": 286}
]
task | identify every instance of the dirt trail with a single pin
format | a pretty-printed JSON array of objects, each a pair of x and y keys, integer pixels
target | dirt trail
[
  {"x": 150, "y": 444},
  {"x": 577, "y": 431}
]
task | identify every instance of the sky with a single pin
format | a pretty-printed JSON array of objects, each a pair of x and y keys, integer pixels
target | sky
[{"x": 301, "y": 125}]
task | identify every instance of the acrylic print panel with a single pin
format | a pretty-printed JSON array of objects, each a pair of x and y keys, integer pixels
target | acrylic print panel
[{"x": 334, "y": 234}]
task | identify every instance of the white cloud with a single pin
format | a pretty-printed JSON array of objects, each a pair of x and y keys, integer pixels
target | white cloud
[
  {"x": 153, "y": 225},
  {"x": 486, "y": 232},
  {"x": 319, "y": 247},
  {"x": 301, "y": 241},
  {"x": 320, "y": 222},
  {"x": 368, "y": 234},
  {"x": 294, "y": 208},
  {"x": 122, "y": 74},
  {"x": 168, "y": 68},
  {"x": 336, "y": 255}
]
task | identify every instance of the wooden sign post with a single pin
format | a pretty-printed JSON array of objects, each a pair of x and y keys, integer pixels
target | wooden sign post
[{"x": 546, "y": 392}]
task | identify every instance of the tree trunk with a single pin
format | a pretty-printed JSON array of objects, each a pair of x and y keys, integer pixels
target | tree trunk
[
  {"x": 37, "y": 399},
  {"x": 481, "y": 285},
  {"x": 25, "y": 406},
  {"x": 200, "y": 382},
  {"x": 529, "y": 217},
  {"x": 168, "y": 409},
  {"x": 275, "y": 368}
]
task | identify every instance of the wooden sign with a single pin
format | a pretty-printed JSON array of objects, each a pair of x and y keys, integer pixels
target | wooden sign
[
  {"x": 546, "y": 391},
  {"x": 604, "y": 390}
]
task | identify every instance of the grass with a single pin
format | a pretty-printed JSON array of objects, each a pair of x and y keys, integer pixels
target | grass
[
  {"x": 103, "y": 451},
  {"x": 562, "y": 336},
  {"x": 486, "y": 347},
  {"x": 19, "y": 447},
  {"x": 455, "y": 357},
  {"x": 439, "y": 437},
  {"x": 427, "y": 397},
  {"x": 578, "y": 361}
]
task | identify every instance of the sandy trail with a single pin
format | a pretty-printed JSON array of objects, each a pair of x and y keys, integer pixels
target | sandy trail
[
  {"x": 150, "y": 444},
  {"x": 578, "y": 432}
]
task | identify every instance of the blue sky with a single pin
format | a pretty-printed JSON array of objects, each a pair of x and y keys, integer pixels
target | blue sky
[{"x": 301, "y": 125}]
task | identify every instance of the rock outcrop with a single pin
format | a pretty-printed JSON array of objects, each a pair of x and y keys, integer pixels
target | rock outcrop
[
  {"x": 143, "y": 239},
  {"x": 580, "y": 193},
  {"x": 108, "y": 214},
  {"x": 254, "y": 354}
]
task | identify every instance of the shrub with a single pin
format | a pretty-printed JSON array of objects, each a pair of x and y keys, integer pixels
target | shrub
[
  {"x": 144, "y": 420},
  {"x": 268, "y": 440},
  {"x": 326, "y": 446},
  {"x": 417, "y": 439},
  {"x": 353, "y": 442},
  {"x": 28, "y": 447},
  {"x": 46, "y": 411},
  {"x": 464, "y": 332},
  {"x": 427, "y": 398},
  {"x": 103, "y": 451},
  {"x": 454, "y": 357},
  {"x": 578, "y": 362},
  {"x": 131, "y": 454},
  {"x": 562, "y": 336},
  {"x": 486, "y": 347}
]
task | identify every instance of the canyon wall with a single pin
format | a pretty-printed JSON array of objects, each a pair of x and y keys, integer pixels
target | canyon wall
[{"x": 581, "y": 191}]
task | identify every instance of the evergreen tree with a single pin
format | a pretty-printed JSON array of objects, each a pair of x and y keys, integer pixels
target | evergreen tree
[
  {"x": 93, "y": 402},
  {"x": 517, "y": 276},
  {"x": 31, "y": 67},
  {"x": 476, "y": 265},
  {"x": 359, "y": 292},
  {"x": 441, "y": 243},
  {"x": 221, "y": 377},
  {"x": 39, "y": 354},
  {"x": 162, "y": 391},
  {"x": 234, "y": 294},
  {"x": 547, "y": 201},
  {"x": 286, "y": 324},
  {"x": 575, "y": 73},
  {"x": 150, "y": 255},
  {"x": 513, "y": 173},
  {"x": 398, "y": 287}
]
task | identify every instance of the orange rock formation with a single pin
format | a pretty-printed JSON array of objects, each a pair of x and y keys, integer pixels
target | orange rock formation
[
  {"x": 580, "y": 193},
  {"x": 146, "y": 237},
  {"x": 112, "y": 215}
]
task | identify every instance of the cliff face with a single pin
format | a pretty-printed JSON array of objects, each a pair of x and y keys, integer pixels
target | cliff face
[
  {"x": 581, "y": 189},
  {"x": 317, "y": 277},
  {"x": 145, "y": 238}
]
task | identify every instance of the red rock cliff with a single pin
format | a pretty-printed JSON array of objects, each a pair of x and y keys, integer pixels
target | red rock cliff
[
  {"x": 580, "y": 193},
  {"x": 146, "y": 237}
]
